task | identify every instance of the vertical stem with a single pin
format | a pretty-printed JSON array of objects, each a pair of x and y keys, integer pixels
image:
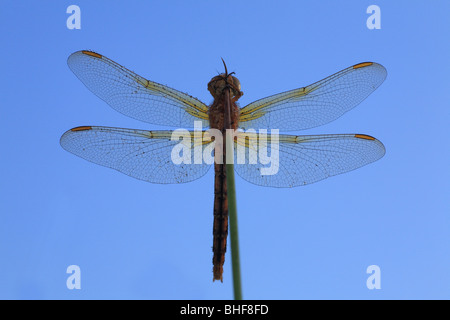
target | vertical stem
[
  {"x": 232, "y": 209},
  {"x": 234, "y": 238}
]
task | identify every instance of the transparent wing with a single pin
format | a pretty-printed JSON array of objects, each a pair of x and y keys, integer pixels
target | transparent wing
[
  {"x": 306, "y": 159},
  {"x": 134, "y": 95},
  {"x": 316, "y": 104},
  {"x": 144, "y": 155}
]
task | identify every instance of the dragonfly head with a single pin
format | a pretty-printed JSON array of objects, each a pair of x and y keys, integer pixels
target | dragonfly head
[
  {"x": 225, "y": 80},
  {"x": 222, "y": 81}
]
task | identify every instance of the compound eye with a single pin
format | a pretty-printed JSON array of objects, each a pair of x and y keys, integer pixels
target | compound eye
[{"x": 237, "y": 83}]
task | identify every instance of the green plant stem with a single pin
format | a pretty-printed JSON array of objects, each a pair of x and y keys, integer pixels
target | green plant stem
[
  {"x": 234, "y": 237},
  {"x": 231, "y": 193}
]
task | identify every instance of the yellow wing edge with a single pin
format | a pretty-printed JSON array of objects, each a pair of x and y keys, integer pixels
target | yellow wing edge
[
  {"x": 200, "y": 110},
  {"x": 248, "y": 114},
  {"x": 203, "y": 135}
]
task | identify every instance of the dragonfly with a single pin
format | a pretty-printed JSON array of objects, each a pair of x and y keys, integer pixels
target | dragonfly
[{"x": 148, "y": 155}]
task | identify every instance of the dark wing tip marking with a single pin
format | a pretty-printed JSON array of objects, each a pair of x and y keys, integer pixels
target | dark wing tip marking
[
  {"x": 362, "y": 65},
  {"x": 370, "y": 138},
  {"x": 364, "y": 136},
  {"x": 82, "y": 128},
  {"x": 92, "y": 54}
]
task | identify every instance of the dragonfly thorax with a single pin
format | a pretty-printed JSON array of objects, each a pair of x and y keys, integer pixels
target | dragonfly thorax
[{"x": 220, "y": 82}]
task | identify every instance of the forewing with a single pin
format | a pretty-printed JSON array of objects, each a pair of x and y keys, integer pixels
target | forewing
[
  {"x": 134, "y": 95},
  {"x": 316, "y": 104},
  {"x": 144, "y": 155},
  {"x": 308, "y": 159}
]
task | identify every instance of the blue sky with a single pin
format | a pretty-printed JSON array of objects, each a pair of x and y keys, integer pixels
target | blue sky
[{"x": 136, "y": 240}]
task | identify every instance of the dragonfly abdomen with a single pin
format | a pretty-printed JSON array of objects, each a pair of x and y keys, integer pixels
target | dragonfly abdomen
[{"x": 220, "y": 226}]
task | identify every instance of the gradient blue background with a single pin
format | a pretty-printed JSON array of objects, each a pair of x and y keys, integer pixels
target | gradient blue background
[{"x": 137, "y": 240}]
